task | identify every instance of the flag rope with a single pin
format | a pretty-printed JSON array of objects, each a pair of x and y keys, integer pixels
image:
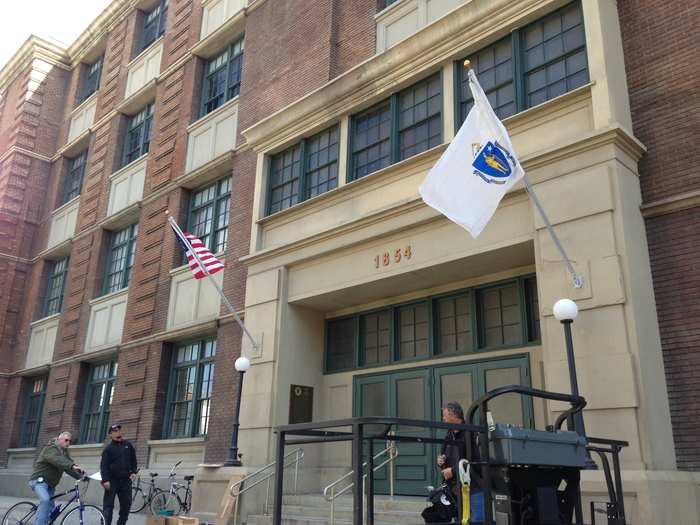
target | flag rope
[{"x": 227, "y": 303}]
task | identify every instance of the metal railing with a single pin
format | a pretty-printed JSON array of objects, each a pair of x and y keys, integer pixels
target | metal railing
[
  {"x": 241, "y": 487},
  {"x": 330, "y": 494}
]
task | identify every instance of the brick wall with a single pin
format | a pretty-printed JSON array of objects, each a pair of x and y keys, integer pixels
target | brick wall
[{"x": 661, "y": 53}]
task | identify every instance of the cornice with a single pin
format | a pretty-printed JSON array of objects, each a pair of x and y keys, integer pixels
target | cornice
[
  {"x": 34, "y": 47},
  {"x": 21, "y": 151},
  {"x": 469, "y": 26},
  {"x": 680, "y": 202}
]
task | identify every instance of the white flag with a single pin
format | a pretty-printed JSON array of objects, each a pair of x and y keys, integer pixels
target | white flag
[{"x": 476, "y": 170}]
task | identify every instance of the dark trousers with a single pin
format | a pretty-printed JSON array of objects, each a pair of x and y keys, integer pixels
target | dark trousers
[{"x": 120, "y": 488}]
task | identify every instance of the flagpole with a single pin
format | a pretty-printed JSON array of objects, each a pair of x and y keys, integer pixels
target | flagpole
[
  {"x": 228, "y": 304},
  {"x": 576, "y": 278}
]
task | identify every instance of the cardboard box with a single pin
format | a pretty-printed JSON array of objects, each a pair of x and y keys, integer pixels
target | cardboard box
[
  {"x": 154, "y": 520},
  {"x": 181, "y": 520}
]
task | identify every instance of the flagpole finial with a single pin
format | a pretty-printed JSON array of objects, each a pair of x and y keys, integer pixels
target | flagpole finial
[{"x": 467, "y": 64}]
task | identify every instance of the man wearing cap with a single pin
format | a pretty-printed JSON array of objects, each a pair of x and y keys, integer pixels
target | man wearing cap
[{"x": 117, "y": 468}]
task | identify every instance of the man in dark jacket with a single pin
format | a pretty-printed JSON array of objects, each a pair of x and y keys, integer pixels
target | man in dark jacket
[
  {"x": 453, "y": 449},
  {"x": 49, "y": 467},
  {"x": 117, "y": 468}
]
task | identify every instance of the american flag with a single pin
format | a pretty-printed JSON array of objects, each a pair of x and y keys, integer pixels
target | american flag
[{"x": 189, "y": 243}]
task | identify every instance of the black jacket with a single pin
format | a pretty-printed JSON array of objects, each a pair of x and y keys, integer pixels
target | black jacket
[
  {"x": 455, "y": 448},
  {"x": 118, "y": 461}
]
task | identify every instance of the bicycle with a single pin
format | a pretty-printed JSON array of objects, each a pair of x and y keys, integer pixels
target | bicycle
[
  {"x": 139, "y": 499},
  {"x": 178, "y": 499},
  {"x": 24, "y": 512}
]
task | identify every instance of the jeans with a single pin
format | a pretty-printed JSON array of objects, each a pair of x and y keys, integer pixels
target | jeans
[{"x": 46, "y": 505}]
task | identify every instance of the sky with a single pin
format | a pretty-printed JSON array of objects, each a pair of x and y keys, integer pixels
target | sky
[{"x": 61, "y": 20}]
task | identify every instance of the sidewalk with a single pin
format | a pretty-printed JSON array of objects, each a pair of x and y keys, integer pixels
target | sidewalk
[{"x": 7, "y": 501}]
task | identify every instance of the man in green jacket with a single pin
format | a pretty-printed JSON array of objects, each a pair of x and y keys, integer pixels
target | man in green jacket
[{"x": 49, "y": 467}]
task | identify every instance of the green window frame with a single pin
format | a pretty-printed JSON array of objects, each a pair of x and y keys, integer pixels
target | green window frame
[
  {"x": 221, "y": 79},
  {"x": 73, "y": 183},
  {"x": 464, "y": 322},
  {"x": 304, "y": 170},
  {"x": 91, "y": 80},
  {"x": 406, "y": 124},
  {"x": 209, "y": 214},
  {"x": 99, "y": 395},
  {"x": 536, "y": 63},
  {"x": 188, "y": 410},
  {"x": 153, "y": 24},
  {"x": 55, "y": 286},
  {"x": 33, "y": 409},
  {"x": 138, "y": 135},
  {"x": 120, "y": 259}
]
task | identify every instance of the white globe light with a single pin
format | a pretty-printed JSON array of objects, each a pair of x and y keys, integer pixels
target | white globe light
[
  {"x": 565, "y": 310},
  {"x": 242, "y": 364}
]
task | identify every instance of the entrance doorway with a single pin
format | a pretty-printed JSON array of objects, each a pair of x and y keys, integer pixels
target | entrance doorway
[{"x": 420, "y": 393}]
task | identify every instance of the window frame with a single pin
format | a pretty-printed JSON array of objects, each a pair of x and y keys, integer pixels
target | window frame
[
  {"x": 51, "y": 276},
  {"x": 228, "y": 68},
  {"x": 90, "y": 81},
  {"x": 198, "y": 364},
  {"x": 158, "y": 23},
  {"x": 394, "y": 130},
  {"x": 518, "y": 66},
  {"x": 130, "y": 243},
  {"x": 434, "y": 343},
  {"x": 144, "y": 129},
  {"x": 218, "y": 201},
  {"x": 73, "y": 173},
  {"x": 303, "y": 170},
  {"x": 28, "y": 439},
  {"x": 103, "y": 414}
]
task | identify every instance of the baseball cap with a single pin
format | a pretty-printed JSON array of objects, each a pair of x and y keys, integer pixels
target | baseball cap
[{"x": 113, "y": 427}]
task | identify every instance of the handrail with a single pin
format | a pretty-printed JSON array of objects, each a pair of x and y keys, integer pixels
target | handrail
[
  {"x": 236, "y": 491},
  {"x": 392, "y": 452}
]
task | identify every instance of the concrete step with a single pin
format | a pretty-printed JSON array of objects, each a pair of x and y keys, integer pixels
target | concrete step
[
  {"x": 381, "y": 502},
  {"x": 308, "y": 520}
]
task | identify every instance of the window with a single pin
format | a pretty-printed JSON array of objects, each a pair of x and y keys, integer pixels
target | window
[
  {"x": 191, "y": 383},
  {"x": 33, "y": 407},
  {"x": 209, "y": 215},
  {"x": 138, "y": 135},
  {"x": 304, "y": 170},
  {"x": 536, "y": 63},
  {"x": 120, "y": 258},
  {"x": 91, "y": 80},
  {"x": 98, "y": 400},
  {"x": 222, "y": 77},
  {"x": 74, "y": 178},
  {"x": 489, "y": 317},
  {"x": 154, "y": 24},
  {"x": 409, "y": 123},
  {"x": 55, "y": 283}
]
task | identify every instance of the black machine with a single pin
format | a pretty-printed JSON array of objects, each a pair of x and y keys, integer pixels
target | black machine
[{"x": 526, "y": 476}]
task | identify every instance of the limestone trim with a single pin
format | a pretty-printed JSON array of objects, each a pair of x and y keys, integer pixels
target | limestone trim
[
  {"x": 84, "y": 104},
  {"x": 178, "y": 441},
  {"x": 680, "y": 202},
  {"x": 180, "y": 62},
  {"x": 467, "y": 28},
  {"x": 75, "y": 145},
  {"x": 20, "y": 450},
  {"x": 143, "y": 53},
  {"x": 14, "y": 258},
  {"x": 22, "y": 151},
  {"x": 202, "y": 121},
  {"x": 33, "y": 48},
  {"x": 136, "y": 101},
  {"x": 217, "y": 41}
]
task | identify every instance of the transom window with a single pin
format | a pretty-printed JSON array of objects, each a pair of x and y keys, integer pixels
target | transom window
[
  {"x": 55, "y": 284},
  {"x": 33, "y": 407},
  {"x": 120, "y": 258},
  {"x": 534, "y": 64},
  {"x": 222, "y": 77},
  {"x": 98, "y": 402},
  {"x": 74, "y": 178},
  {"x": 91, "y": 80},
  {"x": 409, "y": 123},
  {"x": 209, "y": 214},
  {"x": 138, "y": 135},
  {"x": 154, "y": 24},
  {"x": 484, "y": 318},
  {"x": 304, "y": 170},
  {"x": 191, "y": 383}
]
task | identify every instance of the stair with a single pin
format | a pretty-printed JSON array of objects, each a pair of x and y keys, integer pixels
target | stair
[{"x": 313, "y": 509}]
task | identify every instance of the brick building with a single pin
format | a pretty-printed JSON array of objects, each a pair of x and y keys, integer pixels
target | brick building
[{"x": 291, "y": 137}]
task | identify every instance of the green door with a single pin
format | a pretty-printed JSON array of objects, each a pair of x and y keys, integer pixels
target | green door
[{"x": 421, "y": 393}]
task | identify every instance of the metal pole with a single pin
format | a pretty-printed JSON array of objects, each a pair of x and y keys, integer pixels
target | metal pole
[
  {"x": 357, "y": 474},
  {"x": 279, "y": 473},
  {"x": 233, "y": 459},
  {"x": 370, "y": 485}
]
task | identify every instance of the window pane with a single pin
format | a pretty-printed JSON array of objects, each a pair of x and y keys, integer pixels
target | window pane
[
  {"x": 420, "y": 122},
  {"x": 34, "y": 403},
  {"x": 154, "y": 24},
  {"x": 98, "y": 401},
  {"x": 494, "y": 67},
  {"x": 74, "y": 178},
  {"x": 120, "y": 258},
  {"x": 501, "y": 323},
  {"x": 91, "y": 80},
  {"x": 455, "y": 325},
  {"x": 371, "y": 148},
  {"x": 376, "y": 338},
  {"x": 54, "y": 286},
  {"x": 507, "y": 408},
  {"x": 285, "y": 170},
  {"x": 456, "y": 387},
  {"x": 341, "y": 345},
  {"x": 554, "y": 55},
  {"x": 322, "y": 162},
  {"x": 209, "y": 215},
  {"x": 533, "y": 310},
  {"x": 413, "y": 331},
  {"x": 222, "y": 77}
]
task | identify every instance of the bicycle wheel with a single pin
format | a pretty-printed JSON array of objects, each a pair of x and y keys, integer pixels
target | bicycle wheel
[
  {"x": 91, "y": 515},
  {"x": 185, "y": 503},
  {"x": 164, "y": 501},
  {"x": 22, "y": 513},
  {"x": 138, "y": 500}
]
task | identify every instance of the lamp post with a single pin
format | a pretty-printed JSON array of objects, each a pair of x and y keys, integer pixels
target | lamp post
[{"x": 242, "y": 364}]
